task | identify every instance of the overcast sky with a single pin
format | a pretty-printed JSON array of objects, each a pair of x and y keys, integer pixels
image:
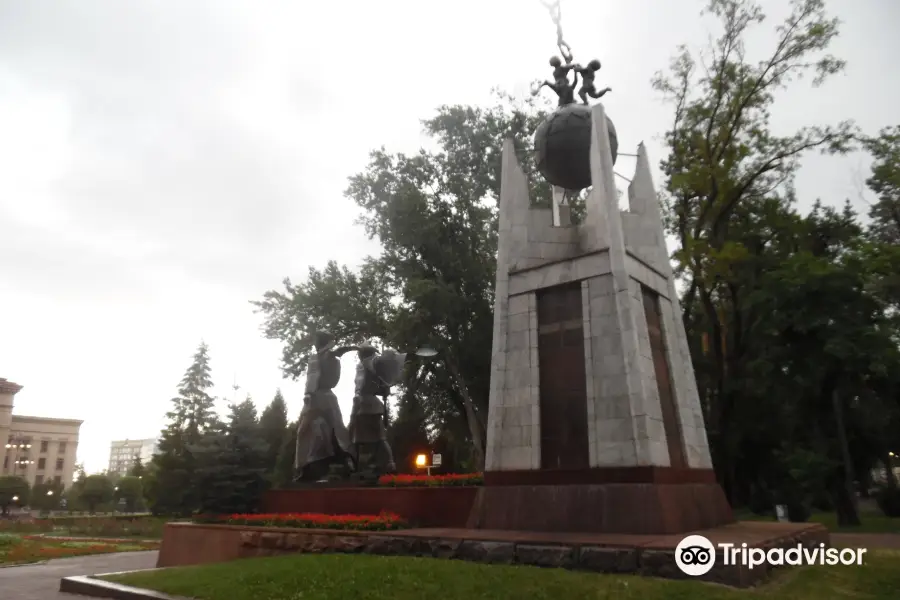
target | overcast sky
[{"x": 162, "y": 163}]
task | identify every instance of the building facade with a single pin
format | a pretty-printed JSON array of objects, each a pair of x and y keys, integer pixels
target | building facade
[
  {"x": 40, "y": 449},
  {"x": 122, "y": 454}
]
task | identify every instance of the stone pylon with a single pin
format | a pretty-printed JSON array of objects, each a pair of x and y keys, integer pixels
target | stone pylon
[{"x": 593, "y": 393}]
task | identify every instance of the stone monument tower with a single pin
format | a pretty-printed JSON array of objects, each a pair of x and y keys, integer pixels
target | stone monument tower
[{"x": 594, "y": 422}]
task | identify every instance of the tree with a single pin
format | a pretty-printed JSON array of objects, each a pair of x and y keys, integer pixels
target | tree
[
  {"x": 408, "y": 432},
  {"x": 192, "y": 414},
  {"x": 46, "y": 496},
  {"x": 434, "y": 214},
  {"x": 273, "y": 424},
  {"x": 12, "y": 486},
  {"x": 885, "y": 183},
  {"x": 284, "y": 464},
  {"x": 97, "y": 490},
  {"x": 131, "y": 490},
  {"x": 726, "y": 191},
  {"x": 137, "y": 468},
  {"x": 231, "y": 464}
]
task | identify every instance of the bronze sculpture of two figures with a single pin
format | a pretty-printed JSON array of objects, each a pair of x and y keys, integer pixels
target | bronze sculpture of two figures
[
  {"x": 326, "y": 448},
  {"x": 566, "y": 90},
  {"x": 560, "y": 83}
]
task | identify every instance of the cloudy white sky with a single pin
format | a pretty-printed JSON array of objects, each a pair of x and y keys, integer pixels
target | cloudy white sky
[{"x": 162, "y": 163}]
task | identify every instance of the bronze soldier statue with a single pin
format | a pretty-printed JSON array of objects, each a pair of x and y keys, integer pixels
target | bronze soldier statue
[
  {"x": 322, "y": 438},
  {"x": 375, "y": 375}
]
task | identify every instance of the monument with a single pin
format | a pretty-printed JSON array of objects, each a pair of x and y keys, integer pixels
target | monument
[
  {"x": 594, "y": 424},
  {"x": 323, "y": 441},
  {"x": 326, "y": 449}
]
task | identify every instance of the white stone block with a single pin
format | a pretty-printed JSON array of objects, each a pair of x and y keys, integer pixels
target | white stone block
[
  {"x": 516, "y": 458},
  {"x": 615, "y": 454}
]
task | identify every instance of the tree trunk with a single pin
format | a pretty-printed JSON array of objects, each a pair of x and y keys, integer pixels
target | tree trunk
[
  {"x": 476, "y": 429},
  {"x": 889, "y": 478},
  {"x": 845, "y": 500}
]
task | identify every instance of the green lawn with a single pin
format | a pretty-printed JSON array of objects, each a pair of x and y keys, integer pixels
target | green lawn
[
  {"x": 871, "y": 522},
  {"x": 340, "y": 576}
]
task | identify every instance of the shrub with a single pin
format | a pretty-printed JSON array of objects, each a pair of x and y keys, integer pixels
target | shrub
[
  {"x": 381, "y": 522},
  {"x": 452, "y": 479},
  {"x": 26, "y": 525}
]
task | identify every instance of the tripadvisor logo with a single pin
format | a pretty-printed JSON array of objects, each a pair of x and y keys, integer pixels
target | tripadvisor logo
[{"x": 695, "y": 555}]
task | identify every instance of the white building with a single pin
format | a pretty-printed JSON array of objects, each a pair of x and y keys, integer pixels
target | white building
[{"x": 122, "y": 454}]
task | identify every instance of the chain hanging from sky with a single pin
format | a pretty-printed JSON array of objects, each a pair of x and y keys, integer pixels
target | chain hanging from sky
[{"x": 555, "y": 10}]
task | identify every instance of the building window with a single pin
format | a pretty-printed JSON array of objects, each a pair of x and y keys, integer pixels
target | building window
[
  {"x": 57, "y": 480},
  {"x": 5, "y": 462},
  {"x": 39, "y": 479},
  {"x": 42, "y": 463},
  {"x": 59, "y": 463},
  {"x": 62, "y": 447},
  {"x": 44, "y": 445}
]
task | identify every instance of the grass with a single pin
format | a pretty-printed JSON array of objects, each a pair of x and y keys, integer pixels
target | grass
[
  {"x": 15, "y": 549},
  {"x": 340, "y": 576},
  {"x": 871, "y": 522}
]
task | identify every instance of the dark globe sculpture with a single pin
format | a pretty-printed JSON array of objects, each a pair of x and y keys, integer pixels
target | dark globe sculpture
[{"x": 562, "y": 146}]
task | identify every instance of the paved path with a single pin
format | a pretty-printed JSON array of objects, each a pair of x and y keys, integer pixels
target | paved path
[{"x": 41, "y": 582}]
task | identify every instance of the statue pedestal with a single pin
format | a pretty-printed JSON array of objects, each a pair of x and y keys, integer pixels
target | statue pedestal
[{"x": 637, "y": 500}]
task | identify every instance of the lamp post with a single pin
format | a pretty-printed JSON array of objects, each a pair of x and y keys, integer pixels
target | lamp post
[
  {"x": 422, "y": 462},
  {"x": 20, "y": 445}
]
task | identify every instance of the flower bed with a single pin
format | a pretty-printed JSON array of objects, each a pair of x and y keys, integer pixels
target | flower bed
[
  {"x": 452, "y": 479},
  {"x": 381, "y": 522},
  {"x": 28, "y": 549}
]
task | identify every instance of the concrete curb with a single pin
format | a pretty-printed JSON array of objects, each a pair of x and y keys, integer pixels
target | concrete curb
[
  {"x": 24, "y": 564},
  {"x": 90, "y": 585}
]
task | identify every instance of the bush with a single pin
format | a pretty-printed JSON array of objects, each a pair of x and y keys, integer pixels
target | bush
[
  {"x": 888, "y": 500},
  {"x": 26, "y": 525},
  {"x": 381, "y": 522},
  {"x": 449, "y": 480}
]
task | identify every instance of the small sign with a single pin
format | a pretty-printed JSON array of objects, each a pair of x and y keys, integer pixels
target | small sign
[
  {"x": 435, "y": 460},
  {"x": 781, "y": 512}
]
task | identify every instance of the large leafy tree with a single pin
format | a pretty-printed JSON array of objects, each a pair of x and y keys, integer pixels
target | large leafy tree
[
  {"x": 434, "y": 213},
  {"x": 727, "y": 194},
  {"x": 95, "y": 491},
  {"x": 885, "y": 183},
  {"x": 12, "y": 486},
  {"x": 174, "y": 489},
  {"x": 130, "y": 489}
]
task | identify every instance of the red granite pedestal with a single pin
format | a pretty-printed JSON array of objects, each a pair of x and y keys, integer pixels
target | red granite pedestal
[{"x": 628, "y": 500}]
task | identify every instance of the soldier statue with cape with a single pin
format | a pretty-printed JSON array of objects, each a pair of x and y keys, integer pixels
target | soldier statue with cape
[{"x": 322, "y": 438}]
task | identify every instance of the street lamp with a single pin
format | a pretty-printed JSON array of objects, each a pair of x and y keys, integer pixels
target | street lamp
[{"x": 422, "y": 462}]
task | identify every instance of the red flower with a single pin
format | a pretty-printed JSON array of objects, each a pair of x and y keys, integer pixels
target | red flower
[{"x": 382, "y": 521}]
